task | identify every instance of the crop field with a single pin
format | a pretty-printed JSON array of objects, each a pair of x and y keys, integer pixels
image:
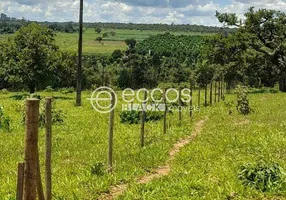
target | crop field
[
  {"x": 207, "y": 168},
  {"x": 69, "y": 41}
]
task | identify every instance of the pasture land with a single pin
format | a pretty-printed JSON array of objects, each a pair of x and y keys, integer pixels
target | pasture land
[{"x": 205, "y": 169}]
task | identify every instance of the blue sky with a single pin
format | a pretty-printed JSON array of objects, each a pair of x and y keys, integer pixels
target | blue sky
[{"x": 137, "y": 11}]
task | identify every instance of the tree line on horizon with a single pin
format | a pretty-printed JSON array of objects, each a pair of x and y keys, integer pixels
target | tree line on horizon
[{"x": 9, "y": 25}]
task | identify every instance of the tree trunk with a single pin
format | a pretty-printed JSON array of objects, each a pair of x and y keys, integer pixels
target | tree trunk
[
  {"x": 282, "y": 82},
  {"x": 32, "y": 87},
  {"x": 215, "y": 91}
]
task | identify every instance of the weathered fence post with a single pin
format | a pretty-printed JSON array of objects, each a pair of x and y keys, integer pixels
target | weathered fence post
[
  {"x": 20, "y": 181},
  {"x": 40, "y": 190},
  {"x": 211, "y": 94},
  {"x": 143, "y": 118},
  {"x": 191, "y": 101},
  {"x": 31, "y": 148},
  {"x": 48, "y": 163},
  {"x": 199, "y": 98},
  {"x": 218, "y": 94},
  {"x": 180, "y": 104},
  {"x": 165, "y": 112},
  {"x": 206, "y": 95},
  {"x": 110, "y": 137}
]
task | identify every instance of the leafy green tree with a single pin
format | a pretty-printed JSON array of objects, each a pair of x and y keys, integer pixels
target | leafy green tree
[
  {"x": 98, "y": 30},
  {"x": 117, "y": 54},
  {"x": 265, "y": 30},
  {"x": 131, "y": 43},
  {"x": 99, "y": 39},
  {"x": 33, "y": 57}
]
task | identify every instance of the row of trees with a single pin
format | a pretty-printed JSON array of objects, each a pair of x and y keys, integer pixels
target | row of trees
[
  {"x": 10, "y": 25},
  {"x": 160, "y": 27}
]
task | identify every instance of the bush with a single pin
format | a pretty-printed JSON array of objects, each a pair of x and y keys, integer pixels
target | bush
[
  {"x": 130, "y": 117},
  {"x": 4, "y": 120},
  {"x": 154, "y": 116},
  {"x": 243, "y": 106},
  {"x": 134, "y": 117},
  {"x": 263, "y": 177},
  {"x": 99, "y": 39}
]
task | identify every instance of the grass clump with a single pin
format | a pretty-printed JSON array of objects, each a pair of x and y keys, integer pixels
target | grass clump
[
  {"x": 264, "y": 177},
  {"x": 4, "y": 120}
]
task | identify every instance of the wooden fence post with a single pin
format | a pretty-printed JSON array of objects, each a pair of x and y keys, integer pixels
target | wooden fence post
[
  {"x": 48, "y": 148},
  {"x": 218, "y": 94},
  {"x": 180, "y": 104},
  {"x": 191, "y": 101},
  {"x": 110, "y": 137},
  {"x": 199, "y": 98},
  {"x": 31, "y": 148},
  {"x": 20, "y": 181},
  {"x": 165, "y": 112},
  {"x": 40, "y": 190},
  {"x": 211, "y": 94},
  {"x": 206, "y": 95},
  {"x": 143, "y": 118}
]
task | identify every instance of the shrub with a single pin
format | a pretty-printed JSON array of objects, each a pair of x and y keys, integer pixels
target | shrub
[
  {"x": 263, "y": 177},
  {"x": 99, "y": 39},
  {"x": 154, "y": 116},
  {"x": 130, "y": 117},
  {"x": 134, "y": 117},
  {"x": 243, "y": 106}
]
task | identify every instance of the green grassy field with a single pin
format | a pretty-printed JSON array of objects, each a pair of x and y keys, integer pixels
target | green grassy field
[
  {"x": 69, "y": 41},
  {"x": 205, "y": 169},
  {"x": 208, "y": 168}
]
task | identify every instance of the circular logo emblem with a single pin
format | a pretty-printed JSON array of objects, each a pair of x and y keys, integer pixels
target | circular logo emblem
[{"x": 101, "y": 99}]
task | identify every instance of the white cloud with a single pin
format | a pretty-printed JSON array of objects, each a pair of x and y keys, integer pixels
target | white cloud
[{"x": 139, "y": 11}]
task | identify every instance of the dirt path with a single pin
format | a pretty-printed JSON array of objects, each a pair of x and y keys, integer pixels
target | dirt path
[{"x": 118, "y": 190}]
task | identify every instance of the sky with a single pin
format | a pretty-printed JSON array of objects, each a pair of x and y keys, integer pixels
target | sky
[{"x": 199, "y": 12}]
